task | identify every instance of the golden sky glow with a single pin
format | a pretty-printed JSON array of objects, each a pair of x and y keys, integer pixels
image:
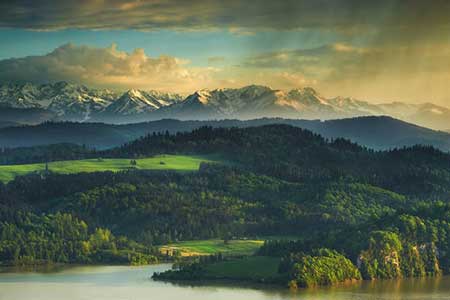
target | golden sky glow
[{"x": 375, "y": 50}]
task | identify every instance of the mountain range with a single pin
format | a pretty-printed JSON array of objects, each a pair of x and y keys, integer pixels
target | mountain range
[
  {"x": 70, "y": 102},
  {"x": 28, "y": 103}
]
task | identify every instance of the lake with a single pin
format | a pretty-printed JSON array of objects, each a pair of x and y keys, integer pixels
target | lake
[{"x": 134, "y": 283}]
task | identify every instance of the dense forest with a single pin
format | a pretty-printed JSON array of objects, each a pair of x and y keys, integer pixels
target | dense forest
[
  {"x": 298, "y": 155},
  {"x": 44, "y": 153},
  {"x": 377, "y": 214},
  {"x": 377, "y": 132},
  {"x": 35, "y": 239}
]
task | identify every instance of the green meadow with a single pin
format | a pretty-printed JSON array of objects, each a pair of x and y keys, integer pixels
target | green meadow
[
  {"x": 160, "y": 162},
  {"x": 247, "y": 268},
  {"x": 207, "y": 247}
]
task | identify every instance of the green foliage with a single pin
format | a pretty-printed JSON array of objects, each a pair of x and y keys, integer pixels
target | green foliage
[
  {"x": 52, "y": 152},
  {"x": 170, "y": 162},
  {"x": 323, "y": 267},
  {"x": 251, "y": 268},
  {"x": 213, "y": 246},
  {"x": 218, "y": 201},
  {"x": 389, "y": 256},
  {"x": 382, "y": 259},
  {"x": 384, "y": 207},
  {"x": 296, "y": 154},
  {"x": 61, "y": 238},
  {"x": 254, "y": 268}
]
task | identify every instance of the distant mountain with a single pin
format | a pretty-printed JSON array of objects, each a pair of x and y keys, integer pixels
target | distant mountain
[
  {"x": 245, "y": 103},
  {"x": 29, "y": 116},
  {"x": 63, "y": 100},
  {"x": 8, "y": 124},
  {"x": 425, "y": 114},
  {"x": 71, "y": 102},
  {"x": 135, "y": 102},
  {"x": 374, "y": 132},
  {"x": 255, "y": 102},
  {"x": 304, "y": 103},
  {"x": 381, "y": 132}
]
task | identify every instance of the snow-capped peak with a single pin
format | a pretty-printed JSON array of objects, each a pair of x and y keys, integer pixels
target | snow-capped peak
[
  {"x": 203, "y": 96},
  {"x": 68, "y": 101},
  {"x": 136, "y": 102},
  {"x": 135, "y": 93},
  {"x": 304, "y": 91}
]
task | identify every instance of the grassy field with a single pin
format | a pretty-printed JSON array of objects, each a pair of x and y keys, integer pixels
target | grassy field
[
  {"x": 160, "y": 162},
  {"x": 247, "y": 268},
  {"x": 207, "y": 247}
]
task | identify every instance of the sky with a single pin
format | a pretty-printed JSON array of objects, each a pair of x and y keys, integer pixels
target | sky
[{"x": 379, "y": 51}]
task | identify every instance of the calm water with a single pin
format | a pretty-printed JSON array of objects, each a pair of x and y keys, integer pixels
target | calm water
[{"x": 134, "y": 283}]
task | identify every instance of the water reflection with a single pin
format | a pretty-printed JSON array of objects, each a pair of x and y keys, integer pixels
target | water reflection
[{"x": 118, "y": 282}]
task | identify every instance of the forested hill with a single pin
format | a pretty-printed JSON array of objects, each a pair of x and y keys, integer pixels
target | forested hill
[
  {"x": 298, "y": 155},
  {"x": 374, "y": 132},
  {"x": 271, "y": 180}
]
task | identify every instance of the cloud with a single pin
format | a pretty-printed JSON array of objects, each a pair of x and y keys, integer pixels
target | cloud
[
  {"x": 385, "y": 49},
  {"x": 378, "y": 74},
  {"x": 112, "y": 68},
  {"x": 238, "y": 76},
  {"x": 418, "y": 73},
  {"x": 346, "y": 16},
  {"x": 106, "y": 67},
  {"x": 316, "y": 63},
  {"x": 289, "y": 80},
  {"x": 413, "y": 74}
]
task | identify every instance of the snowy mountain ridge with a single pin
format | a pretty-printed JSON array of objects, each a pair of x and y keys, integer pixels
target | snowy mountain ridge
[{"x": 73, "y": 102}]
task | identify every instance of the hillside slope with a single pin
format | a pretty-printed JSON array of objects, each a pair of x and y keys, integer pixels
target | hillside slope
[
  {"x": 283, "y": 180},
  {"x": 374, "y": 132}
]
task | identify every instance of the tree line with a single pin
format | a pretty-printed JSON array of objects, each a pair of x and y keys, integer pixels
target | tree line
[{"x": 387, "y": 212}]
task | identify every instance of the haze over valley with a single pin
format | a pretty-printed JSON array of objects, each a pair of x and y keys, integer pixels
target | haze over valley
[{"x": 33, "y": 103}]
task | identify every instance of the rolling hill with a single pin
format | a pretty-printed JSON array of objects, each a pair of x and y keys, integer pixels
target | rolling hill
[{"x": 374, "y": 132}]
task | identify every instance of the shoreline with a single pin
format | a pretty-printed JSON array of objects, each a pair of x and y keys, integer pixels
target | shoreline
[
  {"x": 220, "y": 283},
  {"x": 55, "y": 266}
]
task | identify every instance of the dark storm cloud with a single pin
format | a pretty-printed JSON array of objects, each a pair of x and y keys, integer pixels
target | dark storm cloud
[{"x": 350, "y": 16}]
